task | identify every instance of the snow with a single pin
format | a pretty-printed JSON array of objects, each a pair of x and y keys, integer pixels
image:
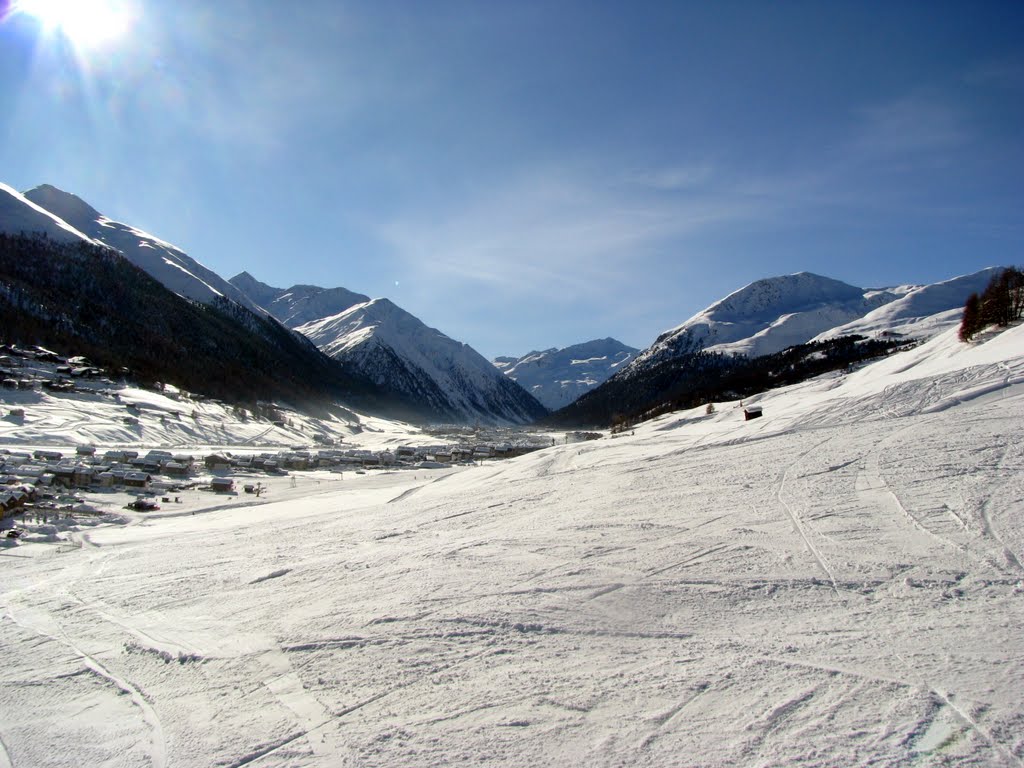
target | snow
[
  {"x": 299, "y": 304},
  {"x": 168, "y": 264},
  {"x": 922, "y": 311},
  {"x": 837, "y": 583},
  {"x": 20, "y": 215},
  {"x": 397, "y": 350},
  {"x": 557, "y": 377},
  {"x": 772, "y": 314}
]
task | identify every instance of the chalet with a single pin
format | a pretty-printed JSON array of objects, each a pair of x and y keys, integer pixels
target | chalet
[
  {"x": 137, "y": 479},
  {"x": 10, "y": 501},
  {"x": 46, "y": 356},
  {"x": 41, "y": 455},
  {"x": 83, "y": 476},
  {"x": 64, "y": 474},
  {"x": 85, "y": 450},
  {"x": 752, "y": 412},
  {"x": 215, "y": 461},
  {"x": 295, "y": 461},
  {"x": 175, "y": 469},
  {"x": 149, "y": 466},
  {"x": 222, "y": 484}
]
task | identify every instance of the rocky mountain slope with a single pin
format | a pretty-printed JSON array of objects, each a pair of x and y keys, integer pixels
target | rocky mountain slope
[
  {"x": 556, "y": 377},
  {"x": 449, "y": 379},
  {"x": 19, "y": 215},
  {"x": 168, "y": 264},
  {"x": 299, "y": 304}
]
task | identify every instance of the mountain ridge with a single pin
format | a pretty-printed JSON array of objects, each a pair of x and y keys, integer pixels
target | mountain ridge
[
  {"x": 167, "y": 263},
  {"x": 556, "y": 377}
]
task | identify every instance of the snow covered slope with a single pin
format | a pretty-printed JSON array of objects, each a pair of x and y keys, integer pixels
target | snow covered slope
[
  {"x": 299, "y": 304},
  {"x": 556, "y": 377},
  {"x": 838, "y": 583},
  {"x": 19, "y": 215},
  {"x": 778, "y": 312},
  {"x": 178, "y": 271},
  {"x": 401, "y": 354},
  {"x": 921, "y": 312},
  {"x": 774, "y": 313}
]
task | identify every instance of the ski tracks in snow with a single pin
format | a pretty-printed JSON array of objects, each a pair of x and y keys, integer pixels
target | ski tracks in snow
[
  {"x": 801, "y": 526},
  {"x": 158, "y": 745}
]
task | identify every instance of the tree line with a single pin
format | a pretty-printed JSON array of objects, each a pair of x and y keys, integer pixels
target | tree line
[
  {"x": 694, "y": 377},
  {"x": 79, "y": 299},
  {"x": 1000, "y": 304}
]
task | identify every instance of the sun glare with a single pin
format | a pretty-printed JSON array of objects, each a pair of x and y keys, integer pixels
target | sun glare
[{"x": 85, "y": 23}]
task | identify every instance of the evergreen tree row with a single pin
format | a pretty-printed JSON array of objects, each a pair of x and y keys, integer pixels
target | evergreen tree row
[{"x": 697, "y": 376}]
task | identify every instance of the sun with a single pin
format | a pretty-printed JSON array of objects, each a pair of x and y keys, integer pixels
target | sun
[{"x": 86, "y": 24}]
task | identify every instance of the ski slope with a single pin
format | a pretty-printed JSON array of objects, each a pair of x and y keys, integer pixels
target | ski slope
[{"x": 840, "y": 582}]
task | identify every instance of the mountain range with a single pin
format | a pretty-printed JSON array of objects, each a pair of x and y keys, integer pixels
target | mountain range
[
  {"x": 449, "y": 380},
  {"x": 425, "y": 375},
  {"x": 803, "y": 312}
]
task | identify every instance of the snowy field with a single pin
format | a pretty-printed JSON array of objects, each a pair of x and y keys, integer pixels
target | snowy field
[{"x": 838, "y": 583}]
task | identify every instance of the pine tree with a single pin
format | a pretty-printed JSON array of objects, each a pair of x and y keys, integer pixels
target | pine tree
[{"x": 970, "y": 324}]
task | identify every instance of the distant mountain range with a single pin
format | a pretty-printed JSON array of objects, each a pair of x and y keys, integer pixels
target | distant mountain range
[
  {"x": 375, "y": 353},
  {"x": 61, "y": 289},
  {"x": 556, "y": 377},
  {"x": 378, "y": 355},
  {"x": 448, "y": 380}
]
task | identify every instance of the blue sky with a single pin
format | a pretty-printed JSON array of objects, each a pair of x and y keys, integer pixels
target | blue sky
[{"x": 523, "y": 175}]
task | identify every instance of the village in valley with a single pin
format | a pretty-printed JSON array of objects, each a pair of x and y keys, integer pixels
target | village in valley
[{"x": 41, "y": 481}]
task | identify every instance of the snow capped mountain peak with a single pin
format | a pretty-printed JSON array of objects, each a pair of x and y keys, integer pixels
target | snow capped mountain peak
[
  {"x": 299, "y": 304},
  {"x": 447, "y": 379},
  {"x": 771, "y": 314},
  {"x": 398, "y": 351},
  {"x": 71, "y": 208},
  {"x": 556, "y": 377},
  {"x": 919, "y": 310}
]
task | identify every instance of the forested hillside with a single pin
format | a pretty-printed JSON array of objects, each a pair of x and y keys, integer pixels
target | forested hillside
[
  {"x": 91, "y": 301},
  {"x": 692, "y": 377}
]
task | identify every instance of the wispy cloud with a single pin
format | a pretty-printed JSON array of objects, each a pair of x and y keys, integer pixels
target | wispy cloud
[
  {"x": 560, "y": 235},
  {"x": 915, "y": 124}
]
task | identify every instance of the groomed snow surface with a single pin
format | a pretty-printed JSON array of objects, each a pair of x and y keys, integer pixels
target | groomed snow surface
[{"x": 837, "y": 583}]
